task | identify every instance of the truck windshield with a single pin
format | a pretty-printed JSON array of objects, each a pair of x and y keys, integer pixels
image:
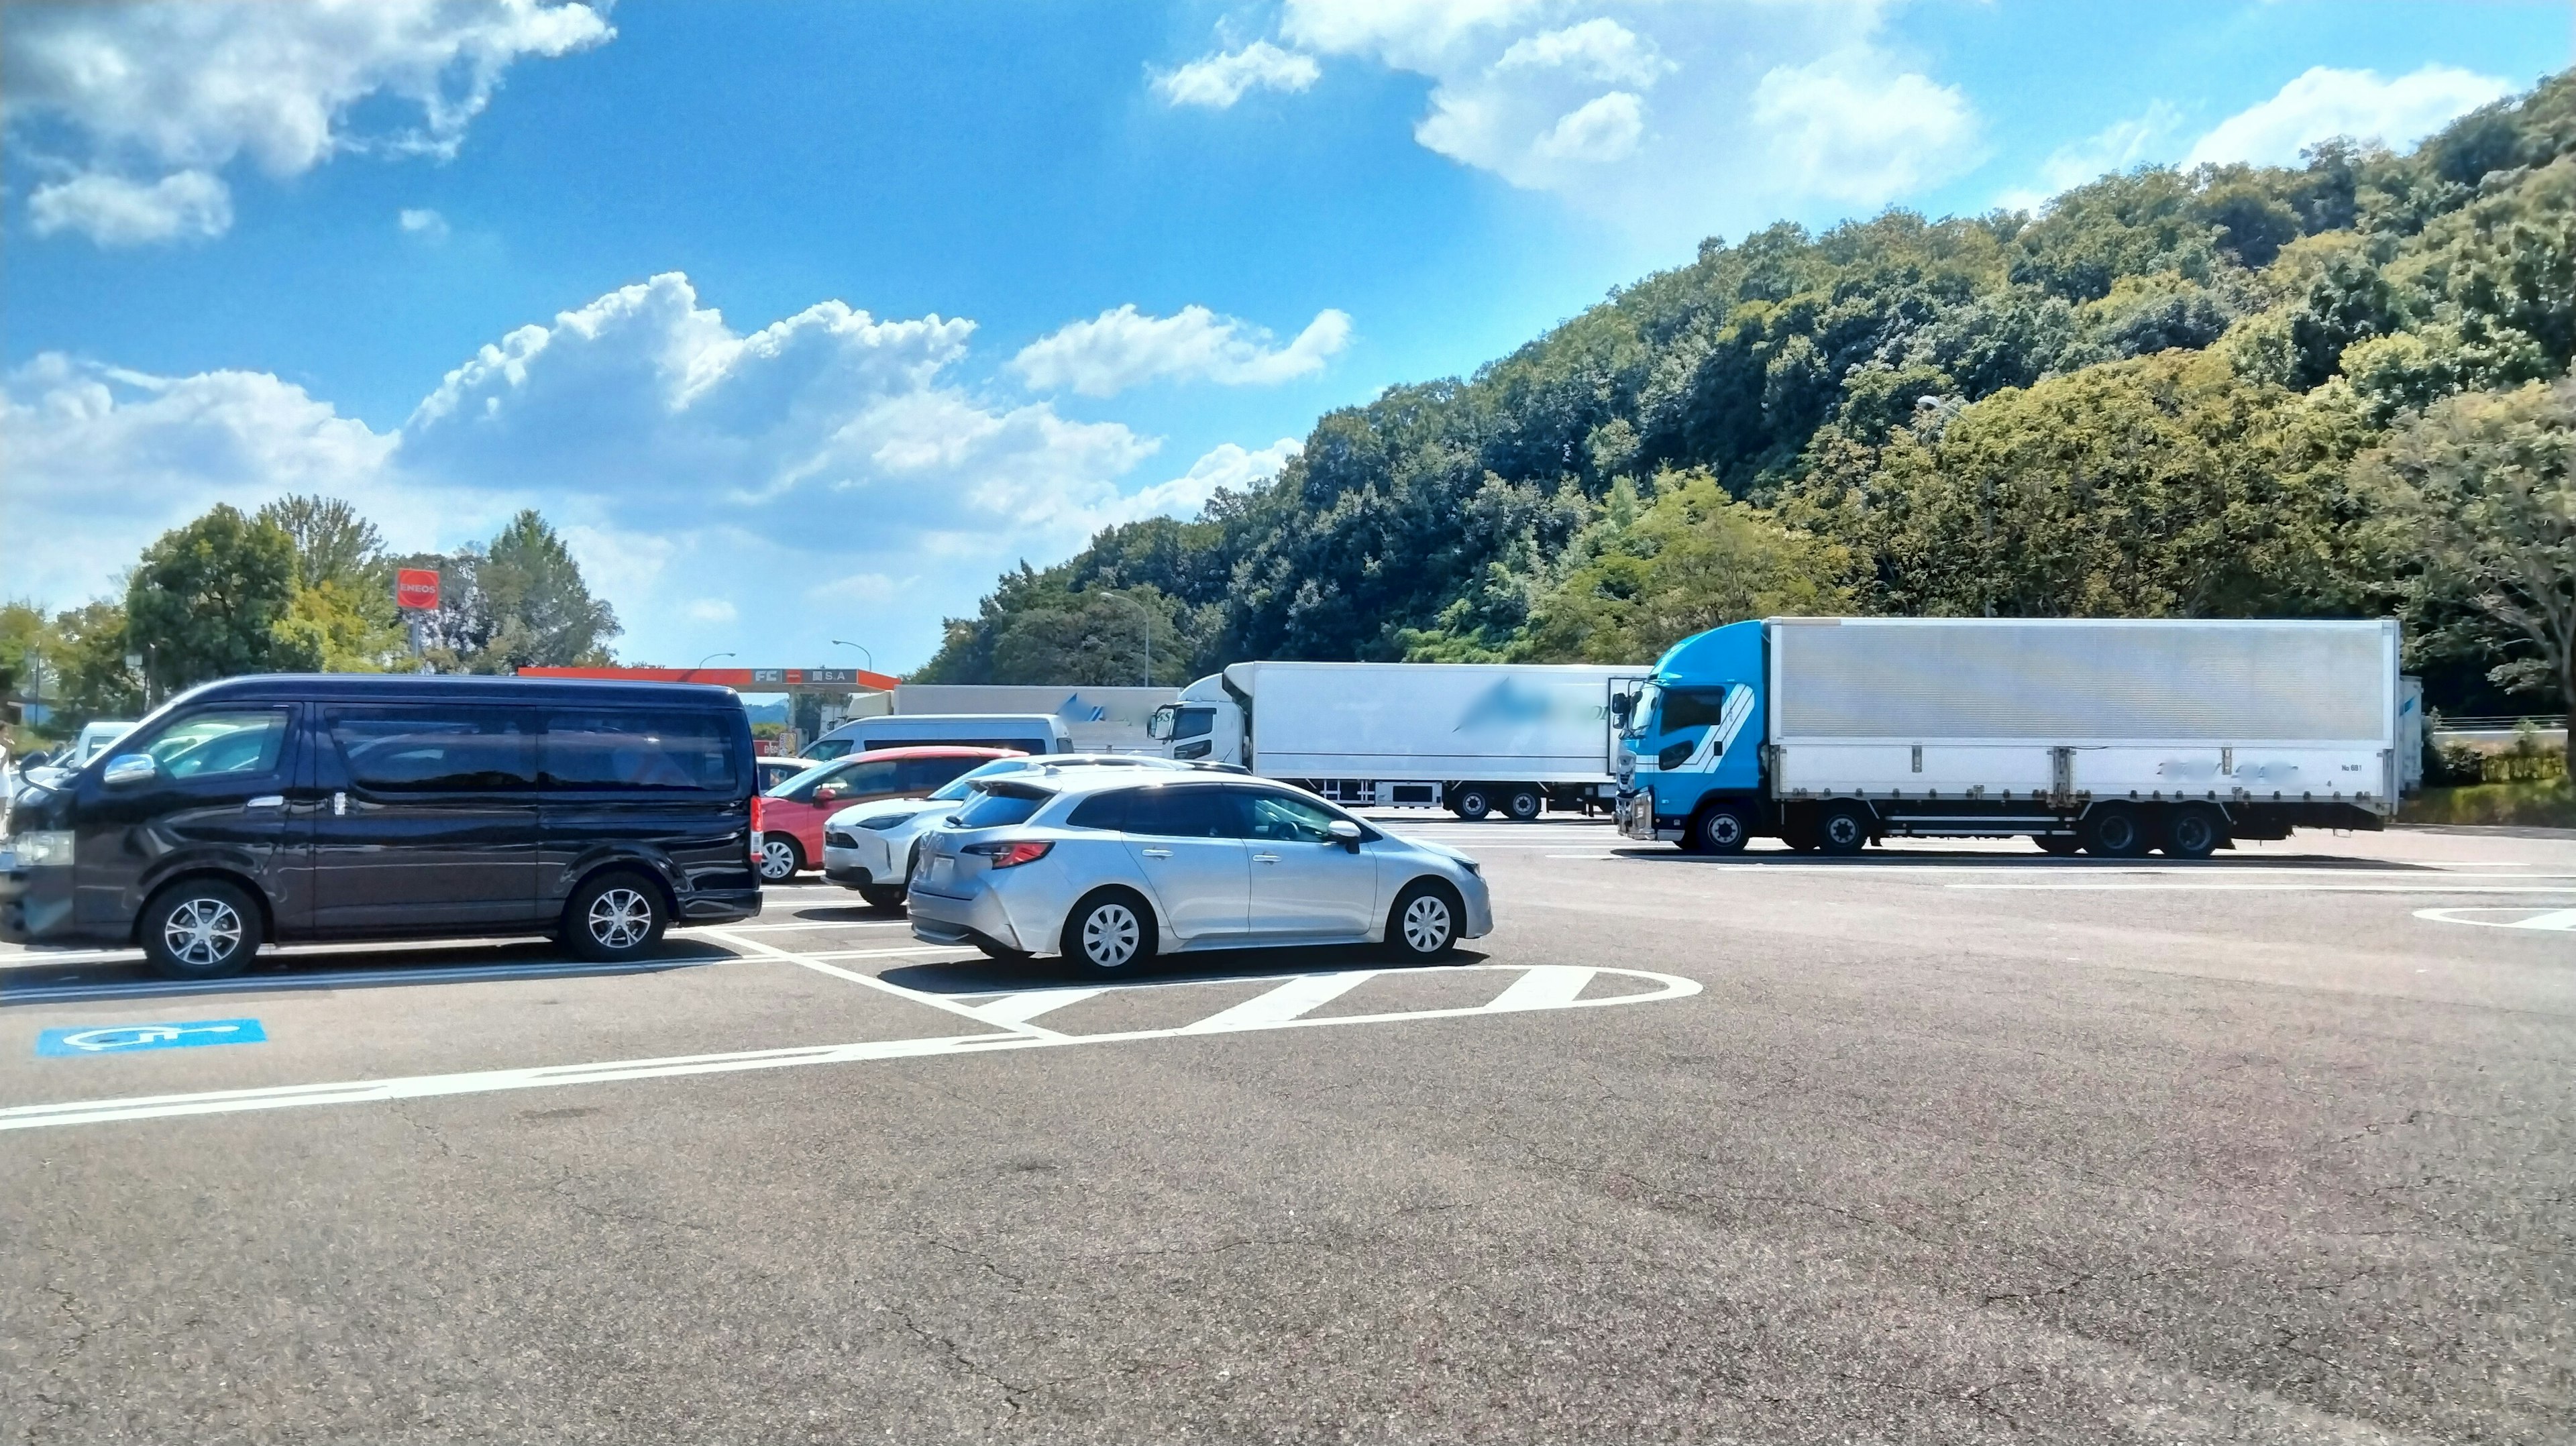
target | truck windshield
[{"x": 1641, "y": 711}]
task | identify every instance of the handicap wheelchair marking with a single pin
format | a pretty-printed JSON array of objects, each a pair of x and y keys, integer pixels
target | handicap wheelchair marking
[
  {"x": 1521, "y": 990},
  {"x": 2558, "y": 920},
  {"x": 78, "y": 1040}
]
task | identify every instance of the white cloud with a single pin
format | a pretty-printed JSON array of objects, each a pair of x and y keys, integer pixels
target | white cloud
[
  {"x": 428, "y": 225},
  {"x": 1226, "y": 467},
  {"x": 2324, "y": 103},
  {"x": 690, "y": 467},
  {"x": 114, "y": 211},
  {"x": 2116, "y": 147},
  {"x": 1218, "y": 81},
  {"x": 1674, "y": 120},
  {"x": 1859, "y": 133},
  {"x": 187, "y": 86},
  {"x": 1124, "y": 348}
]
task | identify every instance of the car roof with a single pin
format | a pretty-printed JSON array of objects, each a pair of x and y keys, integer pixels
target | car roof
[
  {"x": 932, "y": 750},
  {"x": 1088, "y": 780},
  {"x": 450, "y": 687}
]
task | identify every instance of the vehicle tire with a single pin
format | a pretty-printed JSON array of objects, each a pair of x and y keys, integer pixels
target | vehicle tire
[
  {"x": 1423, "y": 926},
  {"x": 615, "y": 916},
  {"x": 882, "y": 896},
  {"x": 1722, "y": 829},
  {"x": 1798, "y": 830},
  {"x": 2193, "y": 833},
  {"x": 1524, "y": 804},
  {"x": 780, "y": 857},
  {"x": 1842, "y": 829},
  {"x": 1471, "y": 803},
  {"x": 2062, "y": 845},
  {"x": 1109, "y": 935},
  {"x": 2114, "y": 831},
  {"x": 200, "y": 929}
]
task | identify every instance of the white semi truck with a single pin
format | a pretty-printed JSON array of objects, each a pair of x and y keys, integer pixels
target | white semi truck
[
  {"x": 2113, "y": 737},
  {"x": 1474, "y": 738}
]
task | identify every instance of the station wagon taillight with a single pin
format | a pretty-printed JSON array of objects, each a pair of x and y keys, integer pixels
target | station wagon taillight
[{"x": 1010, "y": 855}]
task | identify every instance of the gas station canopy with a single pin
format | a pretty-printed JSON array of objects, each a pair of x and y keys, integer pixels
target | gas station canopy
[{"x": 745, "y": 680}]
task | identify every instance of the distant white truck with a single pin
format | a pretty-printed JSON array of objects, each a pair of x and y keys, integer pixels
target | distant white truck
[
  {"x": 1098, "y": 720},
  {"x": 1474, "y": 738}
]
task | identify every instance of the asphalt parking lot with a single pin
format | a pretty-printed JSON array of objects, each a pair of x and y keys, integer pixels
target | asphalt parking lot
[{"x": 1942, "y": 1144}]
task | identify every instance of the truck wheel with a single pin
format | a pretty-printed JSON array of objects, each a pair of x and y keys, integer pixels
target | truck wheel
[
  {"x": 200, "y": 929},
  {"x": 2057, "y": 843},
  {"x": 1798, "y": 830},
  {"x": 1722, "y": 829},
  {"x": 2113, "y": 831},
  {"x": 1843, "y": 829},
  {"x": 1471, "y": 804},
  {"x": 2193, "y": 833},
  {"x": 1524, "y": 804}
]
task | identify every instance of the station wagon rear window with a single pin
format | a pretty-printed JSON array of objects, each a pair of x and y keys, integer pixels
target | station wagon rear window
[{"x": 996, "y": 808}]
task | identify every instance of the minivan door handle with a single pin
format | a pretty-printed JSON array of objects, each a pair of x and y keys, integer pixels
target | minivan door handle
[
  {"x": 339, "y": 804},
  {"x": 267, "y": 800}
]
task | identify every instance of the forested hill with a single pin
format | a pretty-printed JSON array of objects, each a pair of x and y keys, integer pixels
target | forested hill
[{"x": 2169, "y": 393}]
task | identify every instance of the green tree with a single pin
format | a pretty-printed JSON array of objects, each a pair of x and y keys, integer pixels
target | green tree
[
  {"x": 87, "y": 667},
  {"x": 332, "y": 542},
  {"x": 207, "y": 600},
  {"x": 542, "y": 610},
  {"x": 2481, "y": 499},
  {"x": 343, "y": 612}
]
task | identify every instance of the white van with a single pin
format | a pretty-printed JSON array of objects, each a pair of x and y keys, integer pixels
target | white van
[
  {"x": 95, "y": 739},
  {"x": 1027, "y": 732}
]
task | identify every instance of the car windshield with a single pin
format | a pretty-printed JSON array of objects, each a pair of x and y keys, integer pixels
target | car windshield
[
  {"x": 815, "y": 774},
  {"x": 964, "y": 784}
]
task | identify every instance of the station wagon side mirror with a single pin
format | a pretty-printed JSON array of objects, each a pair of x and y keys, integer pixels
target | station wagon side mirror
[
  {"x": 1345, "y": 833},
  {"x": 128, "y": 769}
]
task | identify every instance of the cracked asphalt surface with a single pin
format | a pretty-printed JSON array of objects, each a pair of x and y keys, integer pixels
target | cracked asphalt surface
[{"x": 1956, "y": 1145}]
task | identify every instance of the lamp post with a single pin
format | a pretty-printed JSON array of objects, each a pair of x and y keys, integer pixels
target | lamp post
[
  {"x": 863, "y": 652},
  {"x": 1146, "y": 616},
  {"x": 709, "y": 658}
]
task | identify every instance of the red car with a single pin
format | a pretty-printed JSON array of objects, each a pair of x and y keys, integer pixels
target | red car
[{"x": 790, "y": 816}]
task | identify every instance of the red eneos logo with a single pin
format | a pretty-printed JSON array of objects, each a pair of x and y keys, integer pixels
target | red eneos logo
[{"x": 416, "y": 587}]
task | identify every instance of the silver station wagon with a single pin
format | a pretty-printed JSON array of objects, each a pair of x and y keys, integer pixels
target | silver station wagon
[{"x": 1109, "y": 869}]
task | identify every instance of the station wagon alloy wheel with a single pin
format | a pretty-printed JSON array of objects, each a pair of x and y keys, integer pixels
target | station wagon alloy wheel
[
  {"x": 1110, "y": 936},
  {"x": 621, "y": 918},
  {"x": 1109, "y": 933},
  {"x": 202, "y": 933}
]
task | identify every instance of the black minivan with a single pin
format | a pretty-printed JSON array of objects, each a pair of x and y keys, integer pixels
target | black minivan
[{"x": 351, "y": 806}]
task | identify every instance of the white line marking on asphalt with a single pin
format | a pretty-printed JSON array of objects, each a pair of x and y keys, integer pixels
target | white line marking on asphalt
[
  {"x": 1547, "y": 986},
  {"x": 1021, "y": 1008},
  {"x": 1289, "y": 1001},
  {"x": 1583, "y": 856},
  {"x": 2560, "y": 920},
  {"x": 2256, "y": 888},
  {"x": 804, "y": 924},
  {"x": 966, "y": 1011},
  {"x": 83, "y": 1112}
]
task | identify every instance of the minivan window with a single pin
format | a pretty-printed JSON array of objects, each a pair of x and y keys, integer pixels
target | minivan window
[
  {"x": 206, "y": 745},
  {"x": 999, "y": 810},
  {"x": 436, "y": 750},
  {"x": 653, "y": 752}
]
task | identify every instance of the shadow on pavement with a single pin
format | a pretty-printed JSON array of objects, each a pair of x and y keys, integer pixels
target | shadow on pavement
[
  {"x": 31, "y": 978},
  {"x": 1932, "y": 860}
]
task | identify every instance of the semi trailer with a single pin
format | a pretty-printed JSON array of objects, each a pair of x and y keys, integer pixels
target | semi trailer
[
  {"x": 1474, "y": 738},
  {"x": 2110, "y": 737}
]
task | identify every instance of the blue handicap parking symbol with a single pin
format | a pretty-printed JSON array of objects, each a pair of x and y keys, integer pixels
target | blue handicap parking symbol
[{"x": 127, "y": 1038}]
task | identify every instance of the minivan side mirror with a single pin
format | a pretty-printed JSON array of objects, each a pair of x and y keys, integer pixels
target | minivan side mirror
[
  {"x": 127, "y": 769},
  {"x": 1345, "y": 833}
]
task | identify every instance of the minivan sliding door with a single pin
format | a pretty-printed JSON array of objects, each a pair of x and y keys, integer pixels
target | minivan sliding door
[{"x": 428, "y": 819}]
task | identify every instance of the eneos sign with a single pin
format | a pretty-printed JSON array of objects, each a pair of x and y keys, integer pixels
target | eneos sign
[{"x": 416, "y": 587}]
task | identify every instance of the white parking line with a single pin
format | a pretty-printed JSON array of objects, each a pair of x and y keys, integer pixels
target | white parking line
[
  {"x": 803, "y": 924},
  {"x": 2229, "y": 887},
  {"x": 1548, "y": 986},
  {"x": 934, "y": 1001},
  {"x": 1021, "y": 1008},
  {"x": 2556, "y": 920},
  {"x": 215, "y": 1102},
  {"x": 1289, "y": 1001}
]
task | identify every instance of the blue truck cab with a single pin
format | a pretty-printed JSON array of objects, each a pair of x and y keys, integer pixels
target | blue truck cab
[{"x": 1691, "y": 743}]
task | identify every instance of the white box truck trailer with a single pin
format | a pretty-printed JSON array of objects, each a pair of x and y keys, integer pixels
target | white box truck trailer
[
  {"x": 1099, "y": 720},
  {"x": 1475, "y": 738},
  {"x": 2115, "y": 737}
]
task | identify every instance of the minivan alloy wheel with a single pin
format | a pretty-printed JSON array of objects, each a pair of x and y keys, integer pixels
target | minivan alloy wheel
[
  {"x": 620, "y": 918},
  {"x": 202, "y": 932}
]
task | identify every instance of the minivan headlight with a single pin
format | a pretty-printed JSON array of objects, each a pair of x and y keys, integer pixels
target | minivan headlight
[{"x": 43, "y": 848}]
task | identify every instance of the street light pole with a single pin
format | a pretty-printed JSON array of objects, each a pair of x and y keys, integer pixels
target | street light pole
[
  {"x": 709, "y": 658},
  {"x": 1145, "y": 616},
  {"x": 863, "y": 652}
]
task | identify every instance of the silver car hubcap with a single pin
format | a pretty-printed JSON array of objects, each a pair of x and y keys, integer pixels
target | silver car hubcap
[
  {"x": 202, "y": 932},
  {"x": 1426, "y": 924},
  {"x": 1110, "y": 936},
  {"x": 777, "y": 860},
  {"x": 620, "y": 918}
]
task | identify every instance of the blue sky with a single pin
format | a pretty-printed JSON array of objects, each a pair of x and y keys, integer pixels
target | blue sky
[{"x": 610, "y": 262}]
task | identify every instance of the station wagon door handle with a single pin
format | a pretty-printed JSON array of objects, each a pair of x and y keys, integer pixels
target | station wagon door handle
[
  {"x": 1157, "y": 853},
  {"x": 267, "y": 800},
  {"x": 1265, "y": 858}
]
